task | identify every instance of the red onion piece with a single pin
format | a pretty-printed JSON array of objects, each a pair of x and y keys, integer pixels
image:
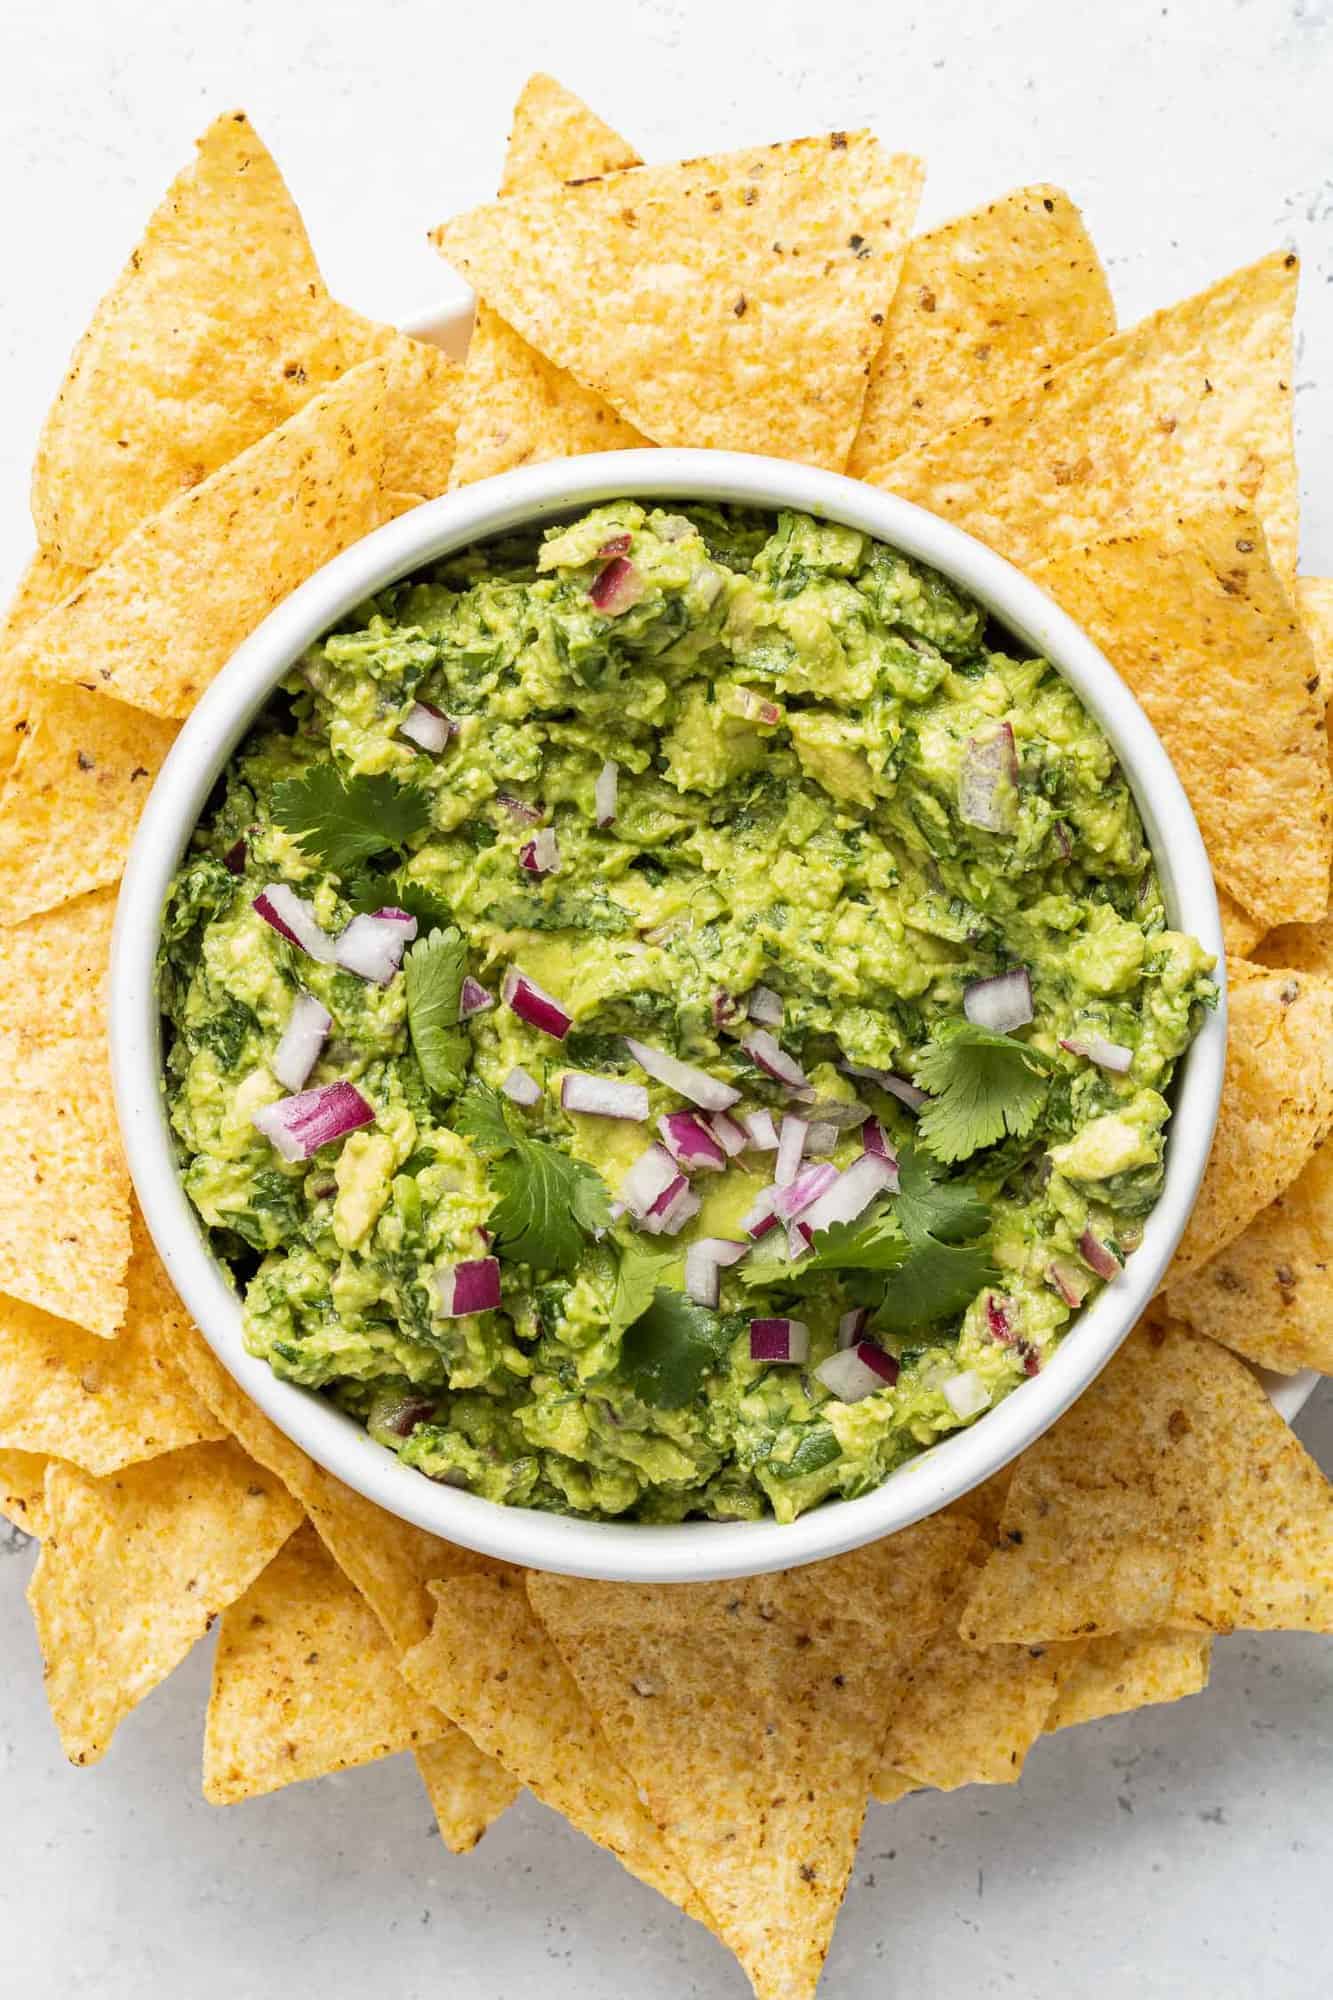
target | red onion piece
[
  {"x": 299, "y": 1126},
  {"x": 762, "y": 1131},
  {"x": 966, "y": 1394},
  {"x": 534, "y": 1006},
  {"x": 767, "y": 1053},
  {"x": 1098, "y": 1256},
  {"x": 676, "y": 1206},
  {"x": 761, "y": 1216},
  {"x": 791, "y": 1147},
  {"x": 852, "y": 1325},
  {"x": 851, "y": 1193},
  {"x": 779, "y": 1340},
  {"x": 988, "y": 780},
  {"x": 373, "y": 946},
  {"x": 614, "y": 545},
  {"x": 522, "y": 1088},
  {"x": 726, "y": 1010},
  {"x": 874, "y": 1141},
  {"x": 304, "y": 1036},
  {"x": 616, "y": 588},
  {"x": 1096, "y": 1049},
  {"x": 235, "y": 857},
  {"x": 1001, "y": 1319},
  {"x": 1067, "y": 1280},
  {"x": 799, "y": 1238},
  {"x": 752, "y": 707},
  {"x": 606, "y": 792},
  {"x": 856, "y": 1372},
  {"x": 792, "y": 1201},
  {"x": 429, "y": 728},
  {"x": 689, "y": 1142},
  {"x": 651, "y": 1173},
  {"x": 519, "y": 809},
  {"x": 705, "y": 1261},
  {"x": 541, "y": 854},
  {"x": 765, "y": 1007},
  {"x": 294, "y": 919},
  {"x": 696, "y": 1084},
  {"x": 604, "y": 1097},
  {"x": 472, "y": 1287},
  {"x": 473, "y": 998},
  {"x": 1002, "y": 1003},
  {"x": 731, "y": 1136}
]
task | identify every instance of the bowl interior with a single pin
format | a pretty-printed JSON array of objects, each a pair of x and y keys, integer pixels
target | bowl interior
[{"x": 534, "y": 495}]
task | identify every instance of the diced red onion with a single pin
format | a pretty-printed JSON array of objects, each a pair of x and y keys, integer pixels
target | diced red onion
[
  {"x": 763, "y": 1132},
  {"x": 731, "y": 1136},
  {"x": 522, "y": 1088},
  {"x": 704, "y": 1262},
  {"x": 726, "y": 1010},
  {"x": 822, "y": 1139},
  {"x": 304, "y": 1036},
  {"x": 1000, "y": 1319},
  {"x": 541, "y": 854},
  {"x": 779, "y": 1340},
  {"x": 1030, "y": 1357},
  {"x": 791, "y": 1147},
  {"x": 1096, "y": 1049},
  {"x": 689, "y": 1141},
  {"x": 906, "y": 1093},
  {"x": 519, "y": 809},
  {"x": 651, "y": 1174},
  {"x": 874, "y": 1141},
  {"x": 761, "y": 1216},
  {"x": 1098, "y": 1256},
  {"x": 752, "y": 707},
  {"x": 298, "y": 1126},
  {"x": 473, "y": 998},
  {"x": 472, "y": 1287},
  {"x": 372, "y": 946},
  {"x": 606, "y": 791},
  {"x": 1063, "y": 839},
  {"x": 767, "y": 1053},
  {"x": 429, "y": 728},
  {"x": 615, "y": 545},
  {"x": 616, "y": 587},
  {"x": 673, "y": 1208},
  {"x": 856, "y": 1372},
  {"x": 966, "y": 1394},
  {"x": 696, "y": 1084},
  {"x": 792, "y": 1201},
  {"x": 1002, "y": 1003},
  {"x": 852, "y": 1325},
  {"x": 851, "y": 1193},
  {"x": 235, "y": 857},
  {"x": 604, "y": 1097},
  {"x": 534, "y": 1006},
  {"x": 765, "y": 1007},
  {"x": 294, "y": 919},
  {"x": 1067, "y": 1280},
  {"x": 799, "y": 1238},
  {"x": 987, "y": 776}
]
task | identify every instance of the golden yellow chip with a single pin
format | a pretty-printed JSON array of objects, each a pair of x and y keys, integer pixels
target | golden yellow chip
[
  {"x": 736, "y": 301},
  {"x": 421, "y": 408},
  {"x": 46, "y": 580},
  {"x": 304, "y": 1681},
  {"x": 23, "y": 1490},
  {"x": 1309, "y": 947},
  {"x": 489, "y": 1664},
  {"x": 1241, "y": 933},
  {"x": 517, "y": 407},
  {"x": 1172, "y": 1494},
  {"x": 888, "y": 1786},
  {"x": 135, "y": 1568},
  {"x": 1129, "y": 1670},
  {"x": 988, "y": 305},
  {"x": 1188, "y": 410},
  {"x": 218, "y": 329},
  {"x": 154, "y": 624},
  {"x": 64, "y": 1190},
  {"x": 1277, "y": 1104},
  {"x": 1195, "y": 618},
  {"x": 71, "y": 803},
  {"x": 743, "y": 1713},
  {"x": 467, "y": 1790},
  {"x": 53, "y": 969}
]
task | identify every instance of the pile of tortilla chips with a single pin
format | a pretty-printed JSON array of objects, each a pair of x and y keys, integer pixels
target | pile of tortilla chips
[{"x": 225, "y": 427}]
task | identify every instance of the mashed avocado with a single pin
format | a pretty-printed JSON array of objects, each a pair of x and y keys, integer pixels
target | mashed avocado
[{"x": 675, "y": 786}]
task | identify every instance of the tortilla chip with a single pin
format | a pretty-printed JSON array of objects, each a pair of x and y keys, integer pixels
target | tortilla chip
[
  {"x": 1171, "y": 1494},
  {"x": 1277, "y": 1104},
  {"x": 1241, "y": 933},
  {"x": 23, "y": 1490},
  {"x": 71, "y": 803},
  {"x": 467, "y": 1789},
  {"x": 420, "y": 411},
  {"x": 1131, "y": 1670},
  {"x": 517, "y": 407},
  {"x": 135, "y": 1568},
  {"x": 1309, "y": 947},
  {"x": 47, "y": 579},
  {"x": 218, "y": 330},
  {"x": 888, "y": 1786},
  {"x": 988, "y": 305},
  {"x": 1189, "y": 410},
  {"x": 64, "y": 1191},
  {"x": 154, "y": 624},
  {"x": 1194, "y": 617},
  {"x": 740, "y": 1711},
  {"x": 304, "y": 1682},
  {"x": 489, "y": 1665},
  {"x": 53, "y": 969},
  {"x": 1269, "y": 1295},
  {"x": 739, "y": 300}
]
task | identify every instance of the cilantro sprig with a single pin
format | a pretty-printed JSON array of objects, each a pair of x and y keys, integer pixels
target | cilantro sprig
[
  {"x": 343, "y": 820},
  {"x": 547, "y": 1203},
  {"x": 982, "y": 1087},
  {"x": 433, "y": 971}
]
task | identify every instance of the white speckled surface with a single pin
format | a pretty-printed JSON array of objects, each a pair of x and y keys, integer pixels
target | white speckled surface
[{"x": 1163, "y": 1854}]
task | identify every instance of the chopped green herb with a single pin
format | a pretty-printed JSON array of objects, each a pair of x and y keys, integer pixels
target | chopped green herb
[
  {"x": 547, "y": 1203},
  {"x": 982, "y": 1087},
  {"x": 340, "y": 820}
]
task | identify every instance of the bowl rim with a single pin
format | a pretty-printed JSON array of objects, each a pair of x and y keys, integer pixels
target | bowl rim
[{"x": 638, "y": 1552}]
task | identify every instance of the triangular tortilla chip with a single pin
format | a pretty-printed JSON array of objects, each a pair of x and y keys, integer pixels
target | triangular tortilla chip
[
  {"x": 1277, "y": 1104},
  {"x": 517, "y": 407},
  {"x": 1129, "y": 1670},
  {"x": 1188, "y": 410},
  {"x": 218, "y": 329},
  {"x": 64, "y": 1190},
  {"x": 1171, "y": 1494},
  {"x": 421, "y": 407},
  {"x": 467, "y": 1790},
  {"x": 1194, "y": 617},
  {"x": 304, "y": 1681},
  {"x": 47, "y": 579},
  {"x": 72, "y": 801},
  {"x": 489, "y": 1664},
  {"x": 736, "y": 301},
  {"x": 135, "y": 1568},
  {"x": 1309, "y": 947},
  {"x": 154, "y": 624},
  {"x": 988, "y": 305},
  {"x": 1269, "y": 1295},
  {"x": 23, "y": 1490},
  {"x": 1241, "y": 933},
  {"x": 53, "y": 969},
  {"x": 743, "y": 1711}
]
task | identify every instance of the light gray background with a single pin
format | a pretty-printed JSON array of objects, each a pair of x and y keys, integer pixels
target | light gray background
[{"x": 1168, "y": 1853}]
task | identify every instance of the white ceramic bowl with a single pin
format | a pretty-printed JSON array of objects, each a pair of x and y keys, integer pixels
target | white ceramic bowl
[{"x": 694, "y": 1550}]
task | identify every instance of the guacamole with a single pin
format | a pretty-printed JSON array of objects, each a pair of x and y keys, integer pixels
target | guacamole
[{"x": 671, "y": 1015}]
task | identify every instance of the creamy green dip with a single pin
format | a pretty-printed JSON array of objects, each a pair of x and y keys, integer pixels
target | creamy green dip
[{"x": 834, "y": 802}]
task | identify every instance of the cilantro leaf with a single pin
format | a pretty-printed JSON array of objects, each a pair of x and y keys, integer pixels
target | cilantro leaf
[
  {"x": 981, "y": 1085},
  {"x": 433, "y": 971},
  {"x": 872, "y": 1243},
  {"x": 341, "y": 821},
  {"x": 934, "y": 1282},
  {"x": 546, "y": 1202},
  {"x": 952, "y": 1211},
  {"x": 670, "y": 1348},
  {"x": 641, "y": 1268}
]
